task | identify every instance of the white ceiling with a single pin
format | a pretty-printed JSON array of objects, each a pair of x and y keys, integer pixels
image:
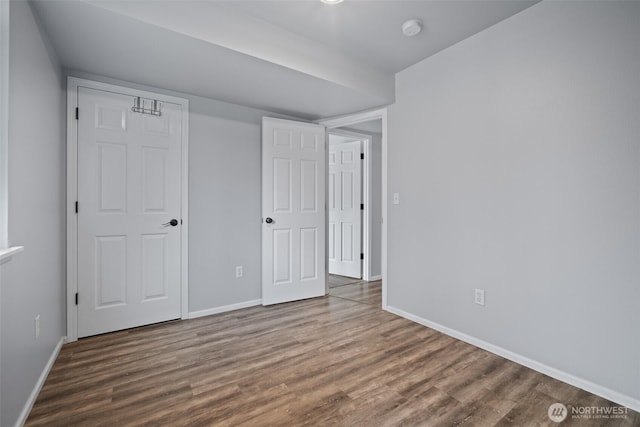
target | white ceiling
[
  {"x": 370, "y": 30},
  {"x": 298, "y": 57}
]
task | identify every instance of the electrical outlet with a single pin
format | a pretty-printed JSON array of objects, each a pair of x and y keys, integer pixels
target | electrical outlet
[
  {"x": 37, "y": 326},
  {"x": 239, "y": 272},
  {"x": 479, "y": 296},
  {"x": 396, "y": 198}
]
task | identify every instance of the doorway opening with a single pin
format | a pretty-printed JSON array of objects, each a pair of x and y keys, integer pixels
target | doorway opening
[
  {"x": 346, "y": 203},
  {"x": 295, "y": 212},
  {"x": 354, "y": 205}
]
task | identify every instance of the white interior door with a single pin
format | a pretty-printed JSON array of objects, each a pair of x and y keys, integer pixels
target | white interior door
[
  {"x": 129, "y": 186},
  {"x": 293, "y": 211},
  {"x": 345, "y": 209}
]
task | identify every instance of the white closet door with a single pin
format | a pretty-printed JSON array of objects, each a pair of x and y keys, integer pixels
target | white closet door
[{"x": 129, "y": 191}]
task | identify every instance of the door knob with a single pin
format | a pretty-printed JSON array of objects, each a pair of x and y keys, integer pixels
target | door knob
[
  {"x": 172, "y": 223},
  {"x": 268, "y": 220}
]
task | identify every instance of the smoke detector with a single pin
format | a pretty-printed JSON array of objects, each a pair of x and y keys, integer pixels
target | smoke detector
[{"x": 412, "y": 27}]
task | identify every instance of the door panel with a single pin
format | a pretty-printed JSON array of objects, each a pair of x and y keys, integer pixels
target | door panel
[
  {"x": 154, "y": 180},
  {"x": 282, "y": 256},
  {"x": 129, "y": 185},
  {"x": 347, "y": 190},
  {"x": 282, "y": 185},
  {"x": 112, "y": 177},
  {"x": 345, "y": 215},
  {"x": 293, "y": 196},
  {"x": 111, "y": 277},
  {"x": 154, "y": 279},
  {"x": 309, "y": 184},
  {"x": 309, "y": 255}
]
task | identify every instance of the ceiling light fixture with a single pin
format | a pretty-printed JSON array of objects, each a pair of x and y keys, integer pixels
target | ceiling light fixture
[
  {"x": 331, "y": 1},
  {"x": 412, "y": 27}
]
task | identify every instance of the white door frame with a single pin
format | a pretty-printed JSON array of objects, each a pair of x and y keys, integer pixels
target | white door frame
[
  {"x": 352, "y": 119},
  {"x": 73, "y": 83},
  {"x": 4, "y": 122},
  {"x": 366, "y": 196}
]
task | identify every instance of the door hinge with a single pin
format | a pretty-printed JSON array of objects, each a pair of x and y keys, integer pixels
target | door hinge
[
  {"x": 361, "y": 206},
  {"x": 361, "y": 256},
  {"x": 76, "y": 298},
  {"x": 362, "y": 156},
  {"x": 77, "y": 113},
  {"x": 76, "y": 206},
  {"x": 180, "y": 221}
]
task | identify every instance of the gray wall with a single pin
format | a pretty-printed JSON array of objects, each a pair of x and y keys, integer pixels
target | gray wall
[
  {"x": 224, "y": 205},
  {"x": 517, "y": 156},
  {"x": 33, "y": 282},
  {"x": 224, "y": 198}
]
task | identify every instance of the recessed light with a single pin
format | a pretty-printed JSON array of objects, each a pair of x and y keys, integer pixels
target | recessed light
[
  {"x": 412, "y": 27},
  {"x": 331, "y": 1}
]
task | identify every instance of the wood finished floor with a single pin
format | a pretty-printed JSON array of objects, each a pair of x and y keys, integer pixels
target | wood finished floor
[
  {"x": 336, "y": 281},
  {"x": 333, "y": 361}
]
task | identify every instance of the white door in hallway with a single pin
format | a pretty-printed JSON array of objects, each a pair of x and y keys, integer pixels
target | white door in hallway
[
  {"x": 293, "y": 211},
  {"x": 345, "y": 209},
  {"x": 129, "y": 225}
]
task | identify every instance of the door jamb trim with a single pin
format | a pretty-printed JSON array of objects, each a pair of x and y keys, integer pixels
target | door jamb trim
[{"x": 73, "y": 83}]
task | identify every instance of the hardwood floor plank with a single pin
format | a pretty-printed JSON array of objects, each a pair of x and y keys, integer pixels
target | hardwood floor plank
[
  {"x": 333, "y": 361},
  {"x": 336, "y": 280}
]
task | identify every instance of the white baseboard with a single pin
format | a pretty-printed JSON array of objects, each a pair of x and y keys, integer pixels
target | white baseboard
[
  {"x": 612, "y": 395},
  {"x": 374, "y": 278},
  {"x": 22, "y": 419},
  {"x": 224, "y": 308}
]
